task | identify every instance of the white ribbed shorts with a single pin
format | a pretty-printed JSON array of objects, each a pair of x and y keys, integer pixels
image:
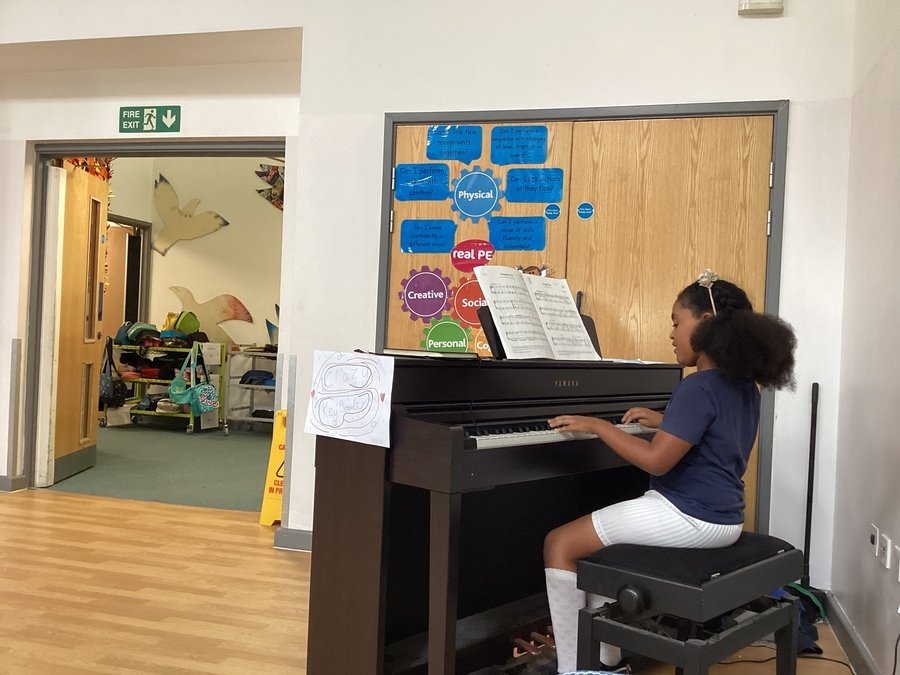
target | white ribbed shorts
[{"x": 652, "y": 520}]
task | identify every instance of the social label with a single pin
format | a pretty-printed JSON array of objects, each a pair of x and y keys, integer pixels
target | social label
[{"x": 467, "y": 299}]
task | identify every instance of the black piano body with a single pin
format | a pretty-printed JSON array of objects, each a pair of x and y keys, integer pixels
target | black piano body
[{"x": 427, "y": 555}]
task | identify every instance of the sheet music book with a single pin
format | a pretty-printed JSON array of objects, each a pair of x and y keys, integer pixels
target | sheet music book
[{"x": 535, "y": 317}]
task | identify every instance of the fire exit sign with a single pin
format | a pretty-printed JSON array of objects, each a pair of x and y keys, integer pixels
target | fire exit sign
[{"x": 154, "y": 119}]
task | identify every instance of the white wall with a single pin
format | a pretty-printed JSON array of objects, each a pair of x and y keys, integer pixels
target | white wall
[
  {"x": 868, "y": 461},
  {"x": 361, "y": 60},
  {"x": 241, "y": 259}
]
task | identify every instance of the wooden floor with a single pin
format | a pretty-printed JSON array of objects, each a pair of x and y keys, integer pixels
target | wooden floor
[
  {"x": 101, "y": 585},
  {"x": 742, "y": 663}
]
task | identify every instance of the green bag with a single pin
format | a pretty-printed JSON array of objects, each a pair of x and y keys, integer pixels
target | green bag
[{"x": 187, "y": 322}]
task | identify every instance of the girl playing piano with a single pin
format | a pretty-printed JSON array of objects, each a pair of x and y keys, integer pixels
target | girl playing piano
[{"x": 696, "y": 458}]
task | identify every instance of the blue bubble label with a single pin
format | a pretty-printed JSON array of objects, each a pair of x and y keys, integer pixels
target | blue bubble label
[
  {"x": 422, "y": 182},
  {"x": 427, "y": 236},
  {"x": 585, "y": 210},
  {"x": 454, "y": 141},
  {"x": 534, "y": 185},
  {"x": 512, "y": 233},
  {"x": 519, "y": 145},
  {"x": 552, "y": 211}
]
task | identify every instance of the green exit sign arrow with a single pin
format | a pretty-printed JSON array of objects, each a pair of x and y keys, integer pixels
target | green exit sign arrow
[{"x": 154, "y": 119}]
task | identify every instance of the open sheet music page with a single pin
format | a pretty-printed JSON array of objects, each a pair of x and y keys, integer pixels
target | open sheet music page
[
  {"x": 561, "y": 319},
  {"x": 515, "y": 316},
  {"x": 536, "y": 317}
]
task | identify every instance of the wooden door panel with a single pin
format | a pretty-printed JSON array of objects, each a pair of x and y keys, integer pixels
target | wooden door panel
[
  {"x": 410, "y": 148},
  {"x": 80, "y": 342},
  {"x": 671, "y": 198}
]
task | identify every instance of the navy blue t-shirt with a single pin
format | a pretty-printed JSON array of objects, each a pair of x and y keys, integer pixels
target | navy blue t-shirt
[{"x": 719, "y": 415}]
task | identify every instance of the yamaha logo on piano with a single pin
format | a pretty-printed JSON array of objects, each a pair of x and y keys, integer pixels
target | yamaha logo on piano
[{"x": 565, "y": 384}]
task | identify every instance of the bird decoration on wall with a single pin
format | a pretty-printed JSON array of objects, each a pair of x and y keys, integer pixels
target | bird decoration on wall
[
  {"x": 180, "y": 223},
  {"x": 213, "y": 312},
  {"x": 272, "y": 174}
]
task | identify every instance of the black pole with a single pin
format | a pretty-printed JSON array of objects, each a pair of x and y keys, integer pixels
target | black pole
[{"x": 811, "y": 470}]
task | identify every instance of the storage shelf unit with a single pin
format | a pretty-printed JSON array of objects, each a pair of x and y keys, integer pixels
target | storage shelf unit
[
  {"x": 142, "y": 384},
  {"x": 245, "y": 408}
]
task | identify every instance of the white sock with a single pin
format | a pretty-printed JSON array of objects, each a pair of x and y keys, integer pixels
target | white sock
[
  {"x": 565, "y": 600},
  {"x": 610, "y": 655}
]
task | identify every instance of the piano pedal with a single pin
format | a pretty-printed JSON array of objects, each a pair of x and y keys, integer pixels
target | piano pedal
[
  {"x": 544, "y": 640},
  {"x": 521, "y": 647}
]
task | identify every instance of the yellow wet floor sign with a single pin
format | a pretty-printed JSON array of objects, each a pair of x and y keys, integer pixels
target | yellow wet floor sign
[{"x": 271, "y": 501}]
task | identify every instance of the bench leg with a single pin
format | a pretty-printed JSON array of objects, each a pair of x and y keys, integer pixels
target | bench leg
[
  {"x": 588, "y": 651},
  {"x": 786, "y": 643}
]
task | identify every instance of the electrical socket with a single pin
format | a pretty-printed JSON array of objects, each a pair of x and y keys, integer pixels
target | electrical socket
[
  {"x": 873, "y": 539},
  {"x": 884, "y": 550}
]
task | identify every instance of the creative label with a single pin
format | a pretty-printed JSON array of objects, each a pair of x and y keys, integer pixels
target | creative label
[
  {"x": 425, "y": 294},
  {"x": 469, "y": 254},
  {"x": 534, "y": 185},
  {"x": 519, "y": 145},
  {"x": 454, "y": 141},
  {"x": 427, "y": 236},
  {"x": 422, "y": 182},
  {"x": 527, "y": 233}
]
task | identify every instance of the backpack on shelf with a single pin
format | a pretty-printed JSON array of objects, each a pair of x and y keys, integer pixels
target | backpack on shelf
[
  {"x": 138, "y": 332},
  {"x": 122, "y": 334},
  {"x": 187, "y": 323}
]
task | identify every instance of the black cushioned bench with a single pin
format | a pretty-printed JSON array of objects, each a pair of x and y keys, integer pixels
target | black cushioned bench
[{"x": 693, "y": 586}]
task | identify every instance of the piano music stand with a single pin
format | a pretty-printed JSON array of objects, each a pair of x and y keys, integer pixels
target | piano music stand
[{"x": 493, "y": 337}]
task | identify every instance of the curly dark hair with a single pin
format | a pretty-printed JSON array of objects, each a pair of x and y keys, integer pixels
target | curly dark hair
[{"x": 741, "y": 342}]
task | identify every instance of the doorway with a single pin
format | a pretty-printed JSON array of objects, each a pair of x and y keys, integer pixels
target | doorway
[{"x": 149, "y": 253}]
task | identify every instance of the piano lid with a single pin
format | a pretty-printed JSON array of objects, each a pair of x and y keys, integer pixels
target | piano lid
[{"x": 437, "y": 380}]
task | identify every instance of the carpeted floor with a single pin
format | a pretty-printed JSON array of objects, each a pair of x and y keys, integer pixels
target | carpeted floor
[{"x": 157, "y": 464}]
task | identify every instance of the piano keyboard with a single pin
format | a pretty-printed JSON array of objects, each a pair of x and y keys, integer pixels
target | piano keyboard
[{"x": 534, "y": 434}]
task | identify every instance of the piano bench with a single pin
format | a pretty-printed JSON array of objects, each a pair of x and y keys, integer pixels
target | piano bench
[{"x": 693, "y": 587}]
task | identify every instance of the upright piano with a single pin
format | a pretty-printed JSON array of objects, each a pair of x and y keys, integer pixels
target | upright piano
[{"x": 427, "y": 555}]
